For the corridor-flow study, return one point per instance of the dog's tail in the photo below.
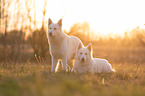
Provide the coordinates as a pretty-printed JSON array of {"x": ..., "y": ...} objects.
[{"x": 113, "y": 70}]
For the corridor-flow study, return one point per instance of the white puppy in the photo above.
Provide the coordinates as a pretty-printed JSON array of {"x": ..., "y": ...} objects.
[
  {"x": 86, "y": 63},
  {"x": 61, "y": 45}
]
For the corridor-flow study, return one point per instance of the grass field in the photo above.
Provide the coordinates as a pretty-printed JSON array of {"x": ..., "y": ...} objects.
[{"x": 35, "y": 79}]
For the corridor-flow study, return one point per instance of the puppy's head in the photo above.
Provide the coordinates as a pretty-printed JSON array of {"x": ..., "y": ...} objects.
[
  {"x": 54, "y": 28},
  {"x": 84, "y": 53}
]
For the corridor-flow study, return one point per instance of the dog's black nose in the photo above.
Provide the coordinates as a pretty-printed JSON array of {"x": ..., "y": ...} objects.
[
  {"x": 50, "y": 34},
  {"x": 83, "y": 59}
]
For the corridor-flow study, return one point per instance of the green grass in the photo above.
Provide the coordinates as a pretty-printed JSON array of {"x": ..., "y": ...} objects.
[{"x": 35, "y": 79}]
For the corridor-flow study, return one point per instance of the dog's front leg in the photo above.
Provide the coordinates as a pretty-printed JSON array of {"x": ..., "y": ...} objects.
[
  {"x": 54, "y": 62},
  {"x": 64, "y": 61}
]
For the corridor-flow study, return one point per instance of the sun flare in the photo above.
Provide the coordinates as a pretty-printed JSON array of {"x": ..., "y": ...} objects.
[{"x": 104, "y": 16}]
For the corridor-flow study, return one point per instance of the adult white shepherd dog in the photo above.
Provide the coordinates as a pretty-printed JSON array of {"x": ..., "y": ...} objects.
[{"x": 61, "y": 45}]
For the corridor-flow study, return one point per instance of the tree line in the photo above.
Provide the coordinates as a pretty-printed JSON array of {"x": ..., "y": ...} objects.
[{"x": 17, "y": 45}]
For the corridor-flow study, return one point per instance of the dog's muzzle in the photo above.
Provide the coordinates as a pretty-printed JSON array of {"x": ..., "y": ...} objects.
[
  {"x": 83, "y": 60},
  {"x": 50, "y": 34}
]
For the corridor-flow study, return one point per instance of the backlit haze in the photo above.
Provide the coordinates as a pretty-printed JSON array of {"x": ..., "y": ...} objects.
[{"x": 104, "y": 16}]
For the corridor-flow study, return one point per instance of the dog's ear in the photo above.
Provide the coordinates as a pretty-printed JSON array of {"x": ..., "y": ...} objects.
[
  {"x": 49, "y": 21},
  {"x": 80, "y": 46},
  {"x": 89, "y": 46},
  {"x": 60, "y": 22}
]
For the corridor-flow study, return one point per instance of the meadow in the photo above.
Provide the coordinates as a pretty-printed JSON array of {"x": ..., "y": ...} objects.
[
  {"x": 25, "y": 61},
  {"x": 35, "y": 78}
]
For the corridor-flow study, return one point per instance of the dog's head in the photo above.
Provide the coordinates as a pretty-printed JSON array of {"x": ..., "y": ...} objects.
[
  {"x": 54, "y": 28},
  {"x": 84, "y": 53}
]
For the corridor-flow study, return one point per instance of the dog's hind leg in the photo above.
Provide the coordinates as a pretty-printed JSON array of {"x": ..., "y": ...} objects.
[
  {"x": 64, "y": 61},
  {"x": 70, "y": 63}
]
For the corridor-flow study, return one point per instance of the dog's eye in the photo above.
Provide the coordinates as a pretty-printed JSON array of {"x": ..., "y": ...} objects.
[
  {"x": 54, "y": 28},
  {"x": 85, "y": 53},
  {"x": 49, "y": 28},
  {"x": 81, "y": 53}
]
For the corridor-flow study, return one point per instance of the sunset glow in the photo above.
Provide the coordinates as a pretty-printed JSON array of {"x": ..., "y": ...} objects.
[{"x": 104, "y": 16}]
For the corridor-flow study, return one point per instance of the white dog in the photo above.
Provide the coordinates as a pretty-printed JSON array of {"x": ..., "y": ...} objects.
[
  {"x": 61, "y": 45},
  {"x": 86, "y": 63}
]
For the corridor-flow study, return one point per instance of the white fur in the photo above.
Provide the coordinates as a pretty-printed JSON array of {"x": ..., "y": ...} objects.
[
  {"x": 61, "y": 45},
  {"x": 90, "y": 64}
]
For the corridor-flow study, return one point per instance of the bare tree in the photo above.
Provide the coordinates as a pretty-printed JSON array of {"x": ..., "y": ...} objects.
[
  {"x": 44, "y": 12},
  {"x": 21, "y": 16},
  {"x": 34, "y": 14},
  {"x": 4, "y": 20},
  {"x": 28, "y": 4}
]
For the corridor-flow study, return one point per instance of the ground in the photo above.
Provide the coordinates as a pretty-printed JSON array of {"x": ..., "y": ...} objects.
[{"x": 36, "y": 79}]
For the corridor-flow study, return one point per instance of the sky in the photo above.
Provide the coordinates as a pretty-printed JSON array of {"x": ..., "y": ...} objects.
[{"x": 104, "y": 16}]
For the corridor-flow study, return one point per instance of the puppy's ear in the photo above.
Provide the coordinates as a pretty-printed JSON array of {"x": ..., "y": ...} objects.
[
  {"x": 60, "y": 22},
  {"x": 49, "y": 21},
  {"x": 80, "y": 46},
  {"x": 89, "y": 46}
]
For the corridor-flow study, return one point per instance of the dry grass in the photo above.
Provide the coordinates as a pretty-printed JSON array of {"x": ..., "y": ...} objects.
[{"x": 35, "y": 79}]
